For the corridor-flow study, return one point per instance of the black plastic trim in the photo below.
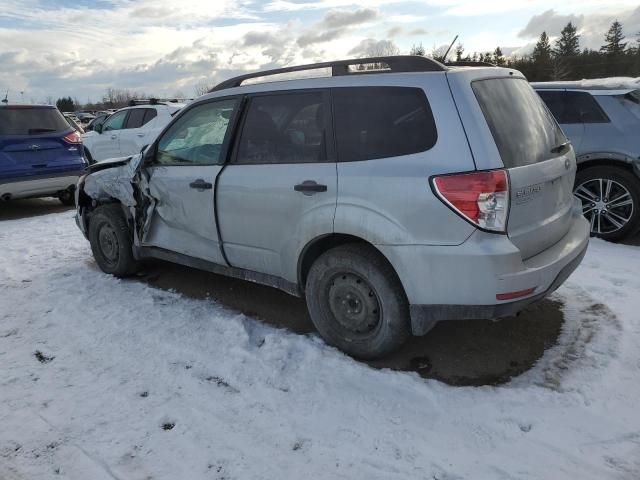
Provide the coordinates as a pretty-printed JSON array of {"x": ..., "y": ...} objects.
[{"x": 291, "y": 288}]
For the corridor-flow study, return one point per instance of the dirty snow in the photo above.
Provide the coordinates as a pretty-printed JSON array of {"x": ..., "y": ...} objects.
[{"x": 103, "y": 378}]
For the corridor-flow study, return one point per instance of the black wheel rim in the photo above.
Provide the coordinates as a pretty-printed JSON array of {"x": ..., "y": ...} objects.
[
  {"x": 607, "y": 204},
  {"x": 354, "y": 305},
  {"x": 108, "y": 242}
]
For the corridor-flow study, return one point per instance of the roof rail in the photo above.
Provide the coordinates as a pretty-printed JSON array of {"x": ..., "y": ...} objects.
[
  {"x": 157, "y": 101},
  {"x": 468, "y": 63},
  {"x": 394, "y": 64}
]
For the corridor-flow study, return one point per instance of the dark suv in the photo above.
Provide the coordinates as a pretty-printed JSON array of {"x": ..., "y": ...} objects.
[
  {"x": 40, "y": 153},
  {"x": 603, "y": 124}
]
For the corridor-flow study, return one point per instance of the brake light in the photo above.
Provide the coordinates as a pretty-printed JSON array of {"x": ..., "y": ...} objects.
[
  {"x": 72, "y": 137},
  {"x": 480, "y": 197}
]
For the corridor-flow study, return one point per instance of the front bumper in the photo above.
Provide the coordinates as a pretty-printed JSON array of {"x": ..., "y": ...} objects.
[{"x": 461, "y": 282}]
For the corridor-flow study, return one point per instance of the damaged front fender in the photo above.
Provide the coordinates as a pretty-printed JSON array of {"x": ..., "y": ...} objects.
[{"x": 116, "y": 180}]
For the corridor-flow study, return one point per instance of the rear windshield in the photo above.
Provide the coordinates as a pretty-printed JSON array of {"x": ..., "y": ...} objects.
[
  {"x": 524, "y": 130},
  {"x": 31, "y": 121},
  {"x": 631, "y": 100}
]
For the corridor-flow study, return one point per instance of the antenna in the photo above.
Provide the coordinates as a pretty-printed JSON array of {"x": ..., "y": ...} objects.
[
  {"x": 444, "y": 58},
  {"x": 6, "y": 97}
]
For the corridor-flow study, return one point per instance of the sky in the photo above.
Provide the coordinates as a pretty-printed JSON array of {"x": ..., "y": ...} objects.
[{"x": 80, "y": 48}]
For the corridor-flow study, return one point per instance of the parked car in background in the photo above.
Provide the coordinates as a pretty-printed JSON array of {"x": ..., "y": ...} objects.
[
  {"x": 128, "y": 130},
  {"x": 99, "y": 119},
  {"x": 73, "y": 121},
  {"x": 40, "y": 153},
  {"x": 602, "y": 120},
  {"x": 390, "y": 201}
]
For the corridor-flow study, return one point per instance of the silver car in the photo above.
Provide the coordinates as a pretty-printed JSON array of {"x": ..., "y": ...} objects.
[
  {"x": 603, "y": 123},
  {"x": 392, "y": 194}
]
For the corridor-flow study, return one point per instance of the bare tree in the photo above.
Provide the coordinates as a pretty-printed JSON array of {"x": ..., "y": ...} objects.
[{"x": 202, "y": 87}]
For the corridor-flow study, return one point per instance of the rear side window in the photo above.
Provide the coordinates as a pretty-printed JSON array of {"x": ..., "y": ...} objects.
[
  {"x": 150, "y": 114},
  {"x": 380, "y": 122},
  {"x": 573, "y": 107},
  {"x": 524, "y": 130},
  {"x": 31, "y": 121},
  {"x": 139, "y": 116},
  {"x": 284, "y": 128}
]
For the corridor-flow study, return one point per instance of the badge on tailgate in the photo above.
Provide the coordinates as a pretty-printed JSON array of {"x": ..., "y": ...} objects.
[{"x": 528, "y": 193}]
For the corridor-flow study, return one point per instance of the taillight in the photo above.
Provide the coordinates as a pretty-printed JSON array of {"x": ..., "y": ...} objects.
[
  {"x": 72, "y": 137},
  {"x": 480, "y": 197}
]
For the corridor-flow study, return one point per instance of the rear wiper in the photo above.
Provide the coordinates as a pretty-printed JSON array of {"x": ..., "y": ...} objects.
[
  {"x": 561, "y": 147},
  {"x": 40, "y": 130}
]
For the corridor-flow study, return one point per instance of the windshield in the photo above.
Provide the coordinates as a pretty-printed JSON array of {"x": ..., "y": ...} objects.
[
  {"x": 524, "y": 130},
  {"x": 31, "y": 121}
]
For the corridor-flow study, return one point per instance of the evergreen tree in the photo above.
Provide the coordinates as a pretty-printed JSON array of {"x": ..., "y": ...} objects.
[
  {"x": 498, "y": 57},
  {"x": 541, "y": 58},
  {"x": 459, "y": 52},
  {"x": 417, "y": 50},
  {"x": 542, "y": 50},
  {"x": 614, "y": 40},
  {"x": 65, "y": 104},
  {"x": 568, "y": 45}
]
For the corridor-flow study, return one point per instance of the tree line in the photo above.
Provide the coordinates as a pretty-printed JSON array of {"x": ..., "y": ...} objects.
[{"x": 563, "y": 60}]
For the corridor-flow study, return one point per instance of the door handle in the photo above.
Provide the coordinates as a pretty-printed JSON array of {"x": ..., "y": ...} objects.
[
  {"x": 113, "y": 137},
  {"x": 309, "y": 187},
  {"x": 140, "y": 134},
  {"x": 201, "y": 185}
]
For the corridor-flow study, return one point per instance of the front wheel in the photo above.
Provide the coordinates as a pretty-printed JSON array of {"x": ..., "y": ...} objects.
[
  {"x": 67, "y": 197},
  {"x": 110, "y": 240},
  {"x": 356, "y": 301},
  {"x": 610, "y": 201}
]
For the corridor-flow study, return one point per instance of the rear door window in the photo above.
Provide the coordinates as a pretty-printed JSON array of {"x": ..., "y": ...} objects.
[
  {"x": 381, "y": 122},
  {"x": 523, "y": 129},
  {"x": 573, "y": 107},
  {"x": 150, "y": 114},
  {"x": 284, "y": 128},
  {"x": 31, "y": 121},
  {"x": 136, "y": 118}
]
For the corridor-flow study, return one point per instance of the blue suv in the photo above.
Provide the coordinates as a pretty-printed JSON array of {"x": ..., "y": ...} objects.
[
  {"x": 602, "y": 121},
  {"x": 40, "y": 154}
]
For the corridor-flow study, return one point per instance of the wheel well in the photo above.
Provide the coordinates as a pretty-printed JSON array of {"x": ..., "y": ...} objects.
[
  {"x": 318, "y": 246},
  {"x": 604, "y": 162}
]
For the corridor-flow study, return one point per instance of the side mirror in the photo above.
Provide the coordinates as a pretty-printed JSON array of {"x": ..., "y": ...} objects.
[{"x": 97, "y": 128}]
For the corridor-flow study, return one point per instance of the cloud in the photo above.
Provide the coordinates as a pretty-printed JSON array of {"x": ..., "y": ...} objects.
[
  {"x": 335, "y": 24},
  {"x": 394, "y": 31},
  {"x": 370, "y": 47},
  {"x": 591, "y": 28},
  {"x": 550, "y": 22}
]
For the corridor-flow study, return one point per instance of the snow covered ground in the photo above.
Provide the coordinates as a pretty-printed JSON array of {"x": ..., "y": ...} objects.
[{"x": 102, "y": 378}]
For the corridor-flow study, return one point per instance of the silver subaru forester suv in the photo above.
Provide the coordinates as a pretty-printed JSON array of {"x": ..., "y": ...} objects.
[{"x": 392, "y": 193}]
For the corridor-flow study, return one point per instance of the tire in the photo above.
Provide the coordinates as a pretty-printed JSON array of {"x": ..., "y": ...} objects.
[
  {"x": 357, "y": 303},
  {"x": 110, "y": 241},
  {"x": 67, "y": 197},
  {"x": 618, "y": 216}
]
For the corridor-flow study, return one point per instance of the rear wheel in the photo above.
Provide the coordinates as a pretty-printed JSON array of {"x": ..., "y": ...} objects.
[
  {"x": 610, "y": 201},
  {"x": 356, "y": 301},
  {"x": 110, "y": 240}
]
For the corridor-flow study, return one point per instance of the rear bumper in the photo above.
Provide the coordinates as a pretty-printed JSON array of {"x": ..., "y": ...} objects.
[
  {"x": 38, "y": 185},
  {"x": 461, "y": 282}
]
